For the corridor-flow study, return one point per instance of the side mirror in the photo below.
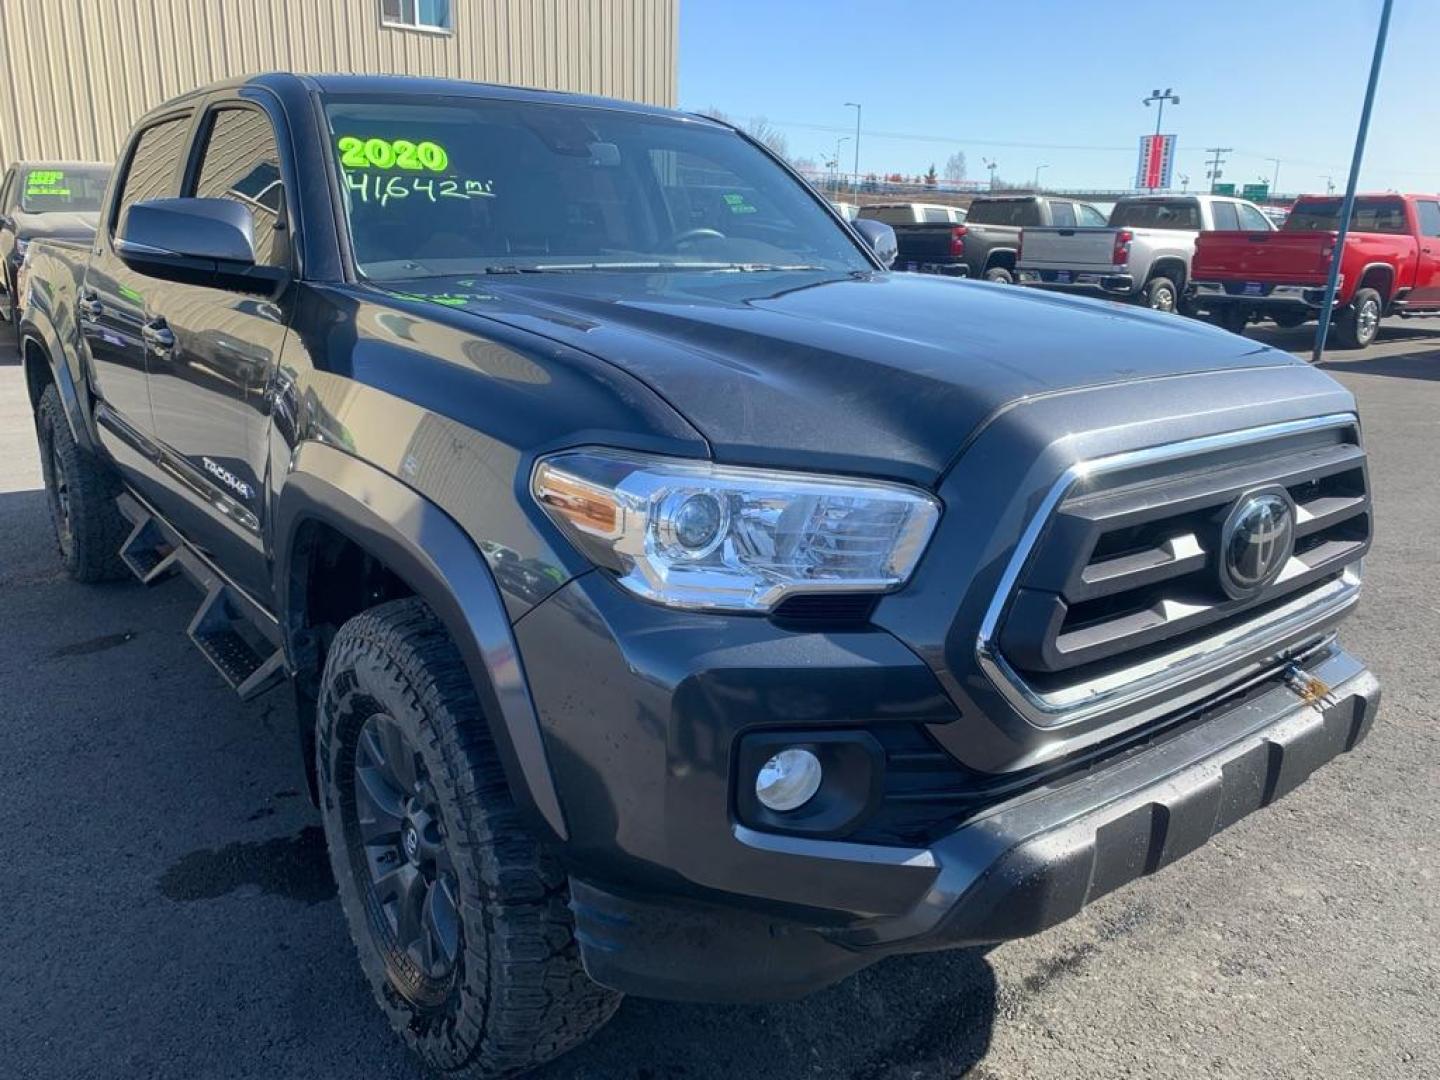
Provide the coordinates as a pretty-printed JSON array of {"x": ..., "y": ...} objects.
[
  {"x": 197, "y": 242},
  {"x": 880, "y": 237}
]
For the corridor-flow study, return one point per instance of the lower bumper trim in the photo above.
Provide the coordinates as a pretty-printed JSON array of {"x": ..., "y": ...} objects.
[{"x": 1015, "y": 870}]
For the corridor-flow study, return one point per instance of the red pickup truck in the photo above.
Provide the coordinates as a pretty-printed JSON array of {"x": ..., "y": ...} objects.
[{"x": 1391, "y": 263}]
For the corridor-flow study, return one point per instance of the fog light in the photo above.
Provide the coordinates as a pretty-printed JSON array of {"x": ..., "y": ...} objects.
[{"x": 788, "y": 780}]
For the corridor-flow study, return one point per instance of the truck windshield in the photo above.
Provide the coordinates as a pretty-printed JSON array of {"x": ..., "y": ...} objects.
[
  {"x": 1157, "y": 214},
  {"x": 66, "y": 188},
  {"x": 1371, "y": 215},
  {"x": 487, "y": 186}
]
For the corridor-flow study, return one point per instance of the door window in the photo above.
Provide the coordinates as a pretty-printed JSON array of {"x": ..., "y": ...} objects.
[
  {"x": 1089, "y": 216},
  {"x": 1252, "y": 220},
  {"x": 1062, "y": 215},
  {"x": 240, "y": 161},
  {"x": 1226, "y": 219},
  {"x": 151, "y": 172},
  {"x": 1429, "y": 216}
]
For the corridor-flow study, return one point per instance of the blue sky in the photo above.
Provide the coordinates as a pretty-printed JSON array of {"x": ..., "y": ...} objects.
[{"x": 1060, "y": 84}]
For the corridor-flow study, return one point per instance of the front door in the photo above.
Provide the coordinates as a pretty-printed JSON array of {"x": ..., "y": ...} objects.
[
  {"x": 212, "y": 354},
  {"x": 112, "y": 300},
  {"x": 1427, "y": 266}
]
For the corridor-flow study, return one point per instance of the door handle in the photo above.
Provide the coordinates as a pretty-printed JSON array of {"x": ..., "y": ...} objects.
[
  {"x": 89, "y": 304},
  {"x": 158, "y": 336}
]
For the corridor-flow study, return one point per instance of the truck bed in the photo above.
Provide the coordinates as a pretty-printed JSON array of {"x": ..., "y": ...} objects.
[
  {"x": 929, "y": 247},
  {"x": 1069, "y": 247},
  {"x": 1301, "y": 258}
]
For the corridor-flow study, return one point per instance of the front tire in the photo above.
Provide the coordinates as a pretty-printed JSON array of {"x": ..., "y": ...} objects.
[
  {"x": 80, "y": 491},
  {"x": 459, "y": 915},
  {"x": 1359, "y": 324}
]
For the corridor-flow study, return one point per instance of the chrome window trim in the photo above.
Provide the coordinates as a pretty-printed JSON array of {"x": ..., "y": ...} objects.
[{"x": 1153, "y": 677}]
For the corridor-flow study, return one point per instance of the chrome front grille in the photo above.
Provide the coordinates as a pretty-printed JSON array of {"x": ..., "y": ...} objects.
[{"x": 1117, "y": 591}]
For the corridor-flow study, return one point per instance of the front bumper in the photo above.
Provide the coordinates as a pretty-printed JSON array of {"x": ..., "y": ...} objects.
[
  {"x": 1014, "y": 869},
  {"x": 1087, "y": 282}
]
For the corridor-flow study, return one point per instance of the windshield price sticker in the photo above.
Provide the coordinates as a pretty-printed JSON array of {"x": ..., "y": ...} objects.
[
  {"x": 738, "y": 205},
  {"x": 382, "y": 189},
  {"x": 46, "y": 182},
  {"x": 357, "y": 153}
]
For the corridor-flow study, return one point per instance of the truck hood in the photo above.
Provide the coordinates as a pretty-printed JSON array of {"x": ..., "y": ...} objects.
[
  {"x": 884, "y": 373},
  {"x": 55, "y": 224}
]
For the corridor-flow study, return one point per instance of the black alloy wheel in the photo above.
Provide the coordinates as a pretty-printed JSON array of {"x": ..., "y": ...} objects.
[
  {"x": 413, "y": 889},
  {"x": 57, "y": 485}
]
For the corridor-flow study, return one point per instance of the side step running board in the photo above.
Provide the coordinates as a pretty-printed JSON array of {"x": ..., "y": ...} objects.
[
  {"x": 217, "y": 630},
  {"x": 234, "y": 633}
]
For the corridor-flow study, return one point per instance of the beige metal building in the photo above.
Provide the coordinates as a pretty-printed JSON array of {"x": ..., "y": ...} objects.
[{"x": 74, "y": 74}]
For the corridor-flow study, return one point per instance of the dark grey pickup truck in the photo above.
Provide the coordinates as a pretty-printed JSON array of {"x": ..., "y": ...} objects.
[
  {"x": 675, "y": 601},
  {"x": 991, "y": 240}
]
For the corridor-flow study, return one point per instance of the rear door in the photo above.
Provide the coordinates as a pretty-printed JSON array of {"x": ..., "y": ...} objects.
[
  {"x": 113, "y": 297},
  {"x": 209, "y": 378},
  {"x": 1427, "y": 268}
]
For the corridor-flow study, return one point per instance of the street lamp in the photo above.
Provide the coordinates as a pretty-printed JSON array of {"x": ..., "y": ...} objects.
[
  {"x": 1275, "y": 183},
  {"x": 1037, "y": 175},
  {"x": 856, "y": 106},
  {"x": 838, "y": 142},
  {"x": 992, "y": 165},
  {"x": 1162, "y": 98}
]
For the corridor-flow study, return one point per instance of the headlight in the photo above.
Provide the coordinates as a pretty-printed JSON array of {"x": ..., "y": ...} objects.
[{"x": 696, "y": 535}]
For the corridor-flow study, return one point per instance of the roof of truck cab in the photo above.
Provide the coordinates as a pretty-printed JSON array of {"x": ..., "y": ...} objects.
[
  {"x": 427, "y": 88},
  {"x": 424, "y": 87}
]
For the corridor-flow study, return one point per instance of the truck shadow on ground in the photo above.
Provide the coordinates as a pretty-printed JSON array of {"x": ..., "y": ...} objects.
[{"x": 1411, "y": 365}]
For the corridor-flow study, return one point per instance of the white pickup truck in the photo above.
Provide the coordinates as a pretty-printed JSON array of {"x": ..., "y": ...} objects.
[{"x": 1143, "y": 253}]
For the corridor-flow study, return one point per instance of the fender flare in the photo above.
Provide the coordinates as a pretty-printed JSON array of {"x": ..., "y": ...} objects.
[
  {"x": 1389, "y": 271},
  {"x": 427, "y": 550},
  {"x": 995, "y": 255},
  {"x": 1165, "y": 262},
  {"x": 33, "y": 337}
]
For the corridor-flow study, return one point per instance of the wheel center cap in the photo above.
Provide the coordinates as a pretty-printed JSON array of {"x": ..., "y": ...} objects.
[{"x": 411, "y": 842}]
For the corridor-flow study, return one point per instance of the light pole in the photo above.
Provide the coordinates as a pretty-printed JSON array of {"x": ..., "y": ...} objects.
[
  {"x": 1347, "y": 208},
  {"x": 856, "y": 106},
  {"x": 838, "y": 142},
  {"x": 992, "y": 165},
  {"x": 1157, "y": 96},
  {"x": 1275, "y": 181},
  {"x": 1037, "y": 175}
]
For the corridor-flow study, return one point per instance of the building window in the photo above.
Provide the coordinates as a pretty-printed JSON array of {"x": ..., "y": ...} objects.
[{"x": 417, "y": 14}]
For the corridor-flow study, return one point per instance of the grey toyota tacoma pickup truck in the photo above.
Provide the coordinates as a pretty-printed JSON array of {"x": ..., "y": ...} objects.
[{"x": 676, "y": 602}]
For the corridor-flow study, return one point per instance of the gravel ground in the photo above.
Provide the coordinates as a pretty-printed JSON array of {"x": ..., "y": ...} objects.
[{"x": 169, "y": 913}]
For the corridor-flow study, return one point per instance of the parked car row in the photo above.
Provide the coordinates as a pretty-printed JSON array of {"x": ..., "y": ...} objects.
[
  {"x": 1213, "y": 255},
  {"x": 1143, "y": 253},
  {"x": 1390, "y": 264}
]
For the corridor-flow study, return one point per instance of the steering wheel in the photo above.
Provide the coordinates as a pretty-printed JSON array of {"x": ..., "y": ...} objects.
[{"x": 695, "y": 234}]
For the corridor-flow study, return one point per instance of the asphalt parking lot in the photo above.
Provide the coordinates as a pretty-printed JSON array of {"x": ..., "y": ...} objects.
[{"x": 169, "y": 913}]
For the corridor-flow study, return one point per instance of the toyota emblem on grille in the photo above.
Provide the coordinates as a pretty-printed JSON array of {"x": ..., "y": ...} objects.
[{"x": 1256, "y": 542}]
